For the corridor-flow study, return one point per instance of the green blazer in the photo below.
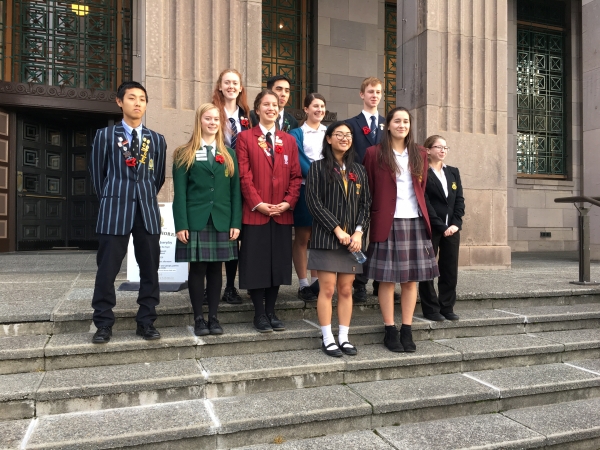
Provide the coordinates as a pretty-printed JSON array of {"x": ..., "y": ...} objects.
[{"x": 204, "y": 191}]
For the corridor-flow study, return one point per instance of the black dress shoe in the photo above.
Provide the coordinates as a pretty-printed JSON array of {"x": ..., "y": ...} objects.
[
  {"x": 200, "y": 327},
  {"x": 348, "y": 348},
  {"x": 336, "y": 352},
  {"x": 102, "y": 335},
  {"x": 436, "y": 317},
  {"x": 148, "y": 332},
  {"x": 307, "y": 294},
  {"x": 406, "y": 339},
  {"x": 392, "y": 340},
  {"x": 376, "y": 292},
  {"x": 315, "y": 288},
  {"x": 276, "y": 324},
  {"x": 450, "y": 315},
  {"x": 262, "y": 324},
  {"x": 231, "y": 296},
  {"x": 360, "y": 294},
  {"x": 213, "y": 326}
]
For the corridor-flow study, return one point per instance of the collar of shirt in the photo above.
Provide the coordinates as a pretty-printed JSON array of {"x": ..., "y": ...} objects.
[
  {"x": 128, "y": 129},
  {"x": 404, "y": 154},
  {"x": 265, "y": 131},
  {"x": 212, "y": 144},
  {"x": 235, "y": 116},
  {"x": 307, "y": 129},
  {"x": 280, "y": 118},
  {"x": 441, "y": 171},
  {"x": 368, "y": 117}
]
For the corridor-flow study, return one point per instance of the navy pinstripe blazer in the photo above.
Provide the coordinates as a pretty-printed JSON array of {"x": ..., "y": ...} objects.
[{"x": 121, "y": 188}]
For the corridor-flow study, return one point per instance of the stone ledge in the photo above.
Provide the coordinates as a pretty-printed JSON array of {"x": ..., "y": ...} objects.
[
  {"x": 573, "y": 339},
  {"x": 21, "y": 347},
  {"x": 365, "y": 440},
  {"x": 537, "y": 314}
]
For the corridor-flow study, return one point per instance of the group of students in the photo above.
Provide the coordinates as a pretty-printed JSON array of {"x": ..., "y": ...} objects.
[{"x": 245, "y": 177}]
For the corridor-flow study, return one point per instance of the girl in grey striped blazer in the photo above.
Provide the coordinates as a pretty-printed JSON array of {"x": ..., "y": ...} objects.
[{"x": 337, "y": 195}]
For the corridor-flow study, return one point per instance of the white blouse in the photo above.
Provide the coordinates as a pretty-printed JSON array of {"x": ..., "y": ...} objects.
[
  {"x": 406, "y": 199},
  {"x": 312, "y": 142}
]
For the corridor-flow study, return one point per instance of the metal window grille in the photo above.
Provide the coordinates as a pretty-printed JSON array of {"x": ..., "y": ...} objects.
[
  {"x": 390, "y": 56},
  {"x": 286, "y": 43},
  {"x": 79, "y": 44},
  {"x": 541, "y": 89}
]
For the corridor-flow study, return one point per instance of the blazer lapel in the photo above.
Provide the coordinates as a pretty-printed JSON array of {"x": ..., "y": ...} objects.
[
  {"x": 449, "y": 181},
  {"x": 362, "y": 122},
  {"x": 241, "y": 117},
  {"x": 122, "y": 143}
]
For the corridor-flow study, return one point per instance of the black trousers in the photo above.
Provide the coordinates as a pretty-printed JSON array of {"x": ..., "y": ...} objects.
[
  {"x": 112, "y": 249},
  {"x": 445, "y": 300}
]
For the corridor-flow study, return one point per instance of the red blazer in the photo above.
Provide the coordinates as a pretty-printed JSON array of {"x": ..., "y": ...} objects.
[
  {"x": 262, "y": 180},
  {"x": 382, "y": 184}
]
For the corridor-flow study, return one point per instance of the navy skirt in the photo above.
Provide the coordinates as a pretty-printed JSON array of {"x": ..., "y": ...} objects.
[{"x": 302, "y": 216}]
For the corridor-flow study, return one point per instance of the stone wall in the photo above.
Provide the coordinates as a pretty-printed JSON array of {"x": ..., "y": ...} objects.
[
  {"x": 349, "y": 36},
  {"x": 591, "y": 113},
  {"x": 186, "y": 44},
  {"x": 454, "y": 81}
]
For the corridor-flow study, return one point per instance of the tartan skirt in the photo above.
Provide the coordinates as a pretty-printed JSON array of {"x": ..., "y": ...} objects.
[
  {"x": 406, "y": 255},
  {"x": 207, "y": 245}
]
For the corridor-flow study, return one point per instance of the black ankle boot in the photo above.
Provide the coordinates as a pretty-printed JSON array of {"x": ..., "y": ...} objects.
[
  {"x": 391, "y": 340},
  {"x": 406, "y": 338}
]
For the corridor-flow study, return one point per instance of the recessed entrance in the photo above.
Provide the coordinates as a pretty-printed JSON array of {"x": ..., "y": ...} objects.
[{"x": 56, "y": 203}]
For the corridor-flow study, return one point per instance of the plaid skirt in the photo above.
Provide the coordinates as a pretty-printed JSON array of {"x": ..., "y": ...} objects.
[
  {"x": 207, "y": 245},
  {"x": 406, "y": 255}
]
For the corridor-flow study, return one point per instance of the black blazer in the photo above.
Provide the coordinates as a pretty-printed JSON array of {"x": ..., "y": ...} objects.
[
  {"x": 361, "y": 140},
  {"x": 331, "y": 207},
  {"x": 438, "y": 206},
  {"x": 289, "y": 123},
  {"x": 122, "y": 189}
]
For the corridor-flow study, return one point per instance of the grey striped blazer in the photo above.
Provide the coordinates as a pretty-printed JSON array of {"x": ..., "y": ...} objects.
[
  {"x": 121, "y": 188},
  {"x": 331, "y": 207}
]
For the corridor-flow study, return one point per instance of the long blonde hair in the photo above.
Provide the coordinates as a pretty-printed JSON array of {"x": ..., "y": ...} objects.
[{"x": 185, "y": 155}]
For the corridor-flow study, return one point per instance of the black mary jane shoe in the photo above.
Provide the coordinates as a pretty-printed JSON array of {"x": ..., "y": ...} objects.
[
  {"x": 336, "y": 352},
  {"x": 348, "y": 348}
]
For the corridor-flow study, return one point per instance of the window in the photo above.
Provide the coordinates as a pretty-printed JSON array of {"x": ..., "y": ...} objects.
[
  {"x": 541, "y": 89},
  {"x": 78, "y": 44},
  {"x": 390, "y": 56},
  {"x": 286, "y": 42}
]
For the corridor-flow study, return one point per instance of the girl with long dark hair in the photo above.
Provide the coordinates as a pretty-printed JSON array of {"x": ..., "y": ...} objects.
[
  {"x": 400, "y": 249},
  {"x": 337, "y": 195}
]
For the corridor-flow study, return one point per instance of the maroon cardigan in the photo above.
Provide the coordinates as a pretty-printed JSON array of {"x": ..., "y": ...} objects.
[{"x": 382, "y": 184}]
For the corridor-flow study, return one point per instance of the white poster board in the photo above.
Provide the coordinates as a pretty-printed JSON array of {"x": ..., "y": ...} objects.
[{"x": 169, "y": 271}]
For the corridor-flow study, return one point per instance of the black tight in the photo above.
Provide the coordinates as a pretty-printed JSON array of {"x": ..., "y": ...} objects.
[
  {"x": 231, "y": 267},
  {"x": 270, "y": 296},
  {"x": 213, "y": 273}
]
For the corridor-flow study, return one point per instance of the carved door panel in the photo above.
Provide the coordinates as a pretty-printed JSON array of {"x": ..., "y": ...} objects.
[{"x": 4, "y": 181}]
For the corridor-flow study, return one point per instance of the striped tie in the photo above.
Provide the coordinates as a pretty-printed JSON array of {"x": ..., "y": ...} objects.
[{"x": 234, "y": 132}]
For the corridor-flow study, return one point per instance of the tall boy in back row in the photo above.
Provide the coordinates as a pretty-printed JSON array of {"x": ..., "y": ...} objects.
[
  {"x": 128, "y": 169},
  {"x": 367, "y": 128}
]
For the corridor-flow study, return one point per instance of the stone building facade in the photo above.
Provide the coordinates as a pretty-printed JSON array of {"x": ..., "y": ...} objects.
[{"x": 454, "y": 63}]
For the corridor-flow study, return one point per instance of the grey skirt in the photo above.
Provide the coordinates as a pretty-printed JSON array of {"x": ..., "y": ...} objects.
[{"x": 337, "y": 261}]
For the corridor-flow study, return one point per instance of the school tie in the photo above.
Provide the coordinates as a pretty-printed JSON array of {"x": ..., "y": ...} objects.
[
  {"x": 277, "y": 126},
  {"x": 373, "y": 127},
  {"x": 270, "y": 144},
  {"x": 209, "y": 154},
  {"x": 234, "y": 132},
  {"x": 135, "y": 144}
]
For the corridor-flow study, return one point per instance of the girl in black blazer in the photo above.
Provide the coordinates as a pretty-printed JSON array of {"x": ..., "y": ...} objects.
[
  {"x": 337, "y": 195},
  {"x": 446, "y": 207}
]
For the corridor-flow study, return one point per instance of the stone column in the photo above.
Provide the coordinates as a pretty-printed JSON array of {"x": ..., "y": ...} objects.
[
  {"x": 187, "y": 43},
  {"x": 349, "y": 36},
  {"x": 591, "y": 113},
  {"x": 451, "y": 74}
]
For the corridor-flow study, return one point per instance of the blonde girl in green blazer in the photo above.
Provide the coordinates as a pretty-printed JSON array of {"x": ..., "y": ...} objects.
[{"x": 207, "y": 209}]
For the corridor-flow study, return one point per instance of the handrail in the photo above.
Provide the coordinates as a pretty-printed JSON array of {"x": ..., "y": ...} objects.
[{"x": 579, "y": 199}]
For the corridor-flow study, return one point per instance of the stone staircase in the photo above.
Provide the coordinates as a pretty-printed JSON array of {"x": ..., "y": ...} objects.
[{"x": 517, "y": 371}]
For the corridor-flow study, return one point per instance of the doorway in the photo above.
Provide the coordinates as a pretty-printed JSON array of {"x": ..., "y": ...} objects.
[{"x": 56, "y": 203}]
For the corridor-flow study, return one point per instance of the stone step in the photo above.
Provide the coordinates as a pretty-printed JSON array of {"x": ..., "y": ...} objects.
[{"x": 276, "y": 417}]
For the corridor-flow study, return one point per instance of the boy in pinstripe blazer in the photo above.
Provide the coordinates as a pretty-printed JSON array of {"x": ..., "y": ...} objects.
[{"x": 128, "y": 169}]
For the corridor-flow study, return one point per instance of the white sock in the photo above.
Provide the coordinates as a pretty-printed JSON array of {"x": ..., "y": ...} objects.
[
  {"x": 343, "y": 334},
  {"x": 303, "y": 282},
  {"x": 389, "y": 324},
  {"x": 313, "y": 279},
  {"x": 327, "y": 335}
]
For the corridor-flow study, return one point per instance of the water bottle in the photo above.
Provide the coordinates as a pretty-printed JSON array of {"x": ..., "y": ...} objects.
[{"x": 359, "y": 257}]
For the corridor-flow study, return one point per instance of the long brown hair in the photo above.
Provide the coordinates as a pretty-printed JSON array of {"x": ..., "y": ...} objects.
[
  {"x": 185, "y": 155},
  {"x": 386, "y": 156},
  {"x": 218, "y": 100}
]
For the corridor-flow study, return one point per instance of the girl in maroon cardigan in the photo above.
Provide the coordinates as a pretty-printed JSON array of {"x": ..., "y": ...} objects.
[{"x": 400, "y": 249}]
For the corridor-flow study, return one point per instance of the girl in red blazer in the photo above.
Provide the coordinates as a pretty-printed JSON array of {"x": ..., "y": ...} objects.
[
  {"x": 400, "y": 249},
  {"x": 270, "y": 179}
]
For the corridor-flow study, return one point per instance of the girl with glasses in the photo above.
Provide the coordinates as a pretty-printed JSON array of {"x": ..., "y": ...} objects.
[
  {"x": 337, "y": 195},
  {"x": 309, "y": 138},
  {"x": 400, "y": 249},
  {"x": 446, "y": 207}
]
